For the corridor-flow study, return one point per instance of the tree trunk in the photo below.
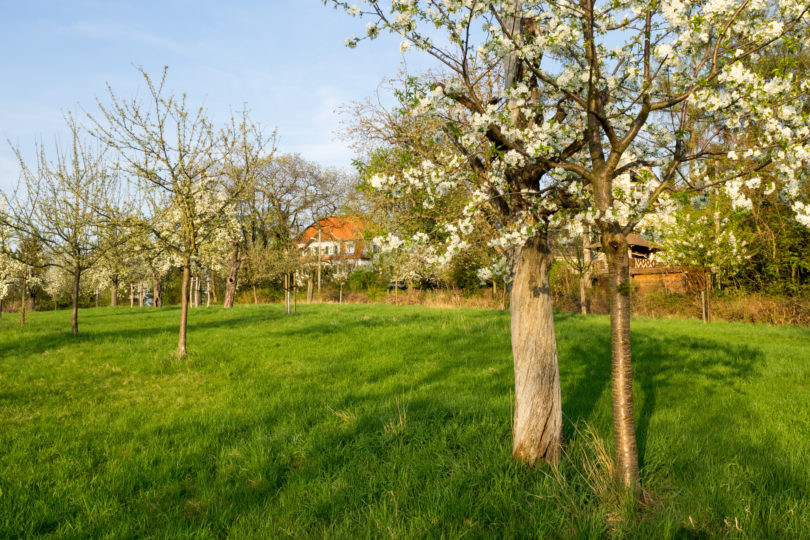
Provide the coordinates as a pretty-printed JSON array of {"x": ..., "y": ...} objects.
[
  {"x": 140, "y": 294},
  {"x": 74, "y": 297},
  {"x": 114, "y": 293},
  {"x": 22, "y": 302},
  {"x": 157, "y": 300},
  {"x": 624, "y": 425},
  {"x": 340, "y": 297},
  {"x": 131, "y": 295},
  {"x": 309, "y": 290},
  {"x": 255, "y": 294},
  {"x": 538, "y": 401},
  {"x": 287, "y": 294},
  {"x": 208, "y": 289},
  {"x": 583, "y": 296},
  {"x": 96, "y": 297},
  {"x": 181, "y": 340},
  {"x": 295, "y": 297},
  {"x": 31, "y": 302},
  {"x": 214, "y": 287},
  {"x": 197, "y": 291},
  {"x": 232, "y": 277}
]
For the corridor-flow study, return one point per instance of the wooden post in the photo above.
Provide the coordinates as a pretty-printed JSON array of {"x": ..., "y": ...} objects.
[{"x": 319, "y": 260}]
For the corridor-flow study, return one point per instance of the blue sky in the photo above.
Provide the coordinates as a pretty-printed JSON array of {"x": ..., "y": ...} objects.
[{"x": 284, "y": 58}]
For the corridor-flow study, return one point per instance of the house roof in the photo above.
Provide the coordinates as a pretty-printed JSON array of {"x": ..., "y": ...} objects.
[
  {"x": 335, "y": 228},
  {"x": 632, "y": 240}
]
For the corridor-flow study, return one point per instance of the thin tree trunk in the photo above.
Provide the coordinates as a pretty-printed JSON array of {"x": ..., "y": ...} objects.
[
  {"x": 287, "y": 293},
  {"x": 340, "y": 297},
  {"x": 208, "y": 289},
  {"x": 295, "y": 297},
  {"x": 131, "y": 295},
  {"x": 232, "y": 277},
  {"x": 157, "y": 300},
  {"x": 309, "y": 290},
  {"x": 255, "y": 294},
  {"x": 140, "y": 294},
  {"x": 319, "y": 260},
  {"x": 396, "y": 292},
  {"x": 96, "y": 297},
  {"x": 181, "y": 340},
  {"x": 624, "y": 425},
  {"x": 197, "y": 291},
  {"x": 1, "y": 306},
  {"x": 74, "y": 317},
  {"x": 31, "y": 301},
  {"x": 583, "y": 296},
  {"x": 214, "y": 287},
  {"x": 538, "y": 401},
  {"x": 22, "y": 302}
]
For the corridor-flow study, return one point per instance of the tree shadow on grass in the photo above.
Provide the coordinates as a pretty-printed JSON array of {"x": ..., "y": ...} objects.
[{"x": 662, "y": 364}]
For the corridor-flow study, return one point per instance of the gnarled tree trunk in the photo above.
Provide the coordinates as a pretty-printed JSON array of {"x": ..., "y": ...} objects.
[
  {"x": 231, "y": 278},
  {"x": 624, "y": 425},
  {"x": 538, "y": 400}
]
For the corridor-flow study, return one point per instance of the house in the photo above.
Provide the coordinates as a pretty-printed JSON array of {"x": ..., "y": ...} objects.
[
  {"x": 337, "y": 239},
  {"x": 648, "y": 272}
]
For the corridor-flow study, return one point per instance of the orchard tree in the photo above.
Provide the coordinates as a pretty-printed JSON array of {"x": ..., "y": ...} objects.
[
  {"x": 595, "y": 123},
  {"x": 56, "y": 205},
  {"x": 175, "y": 156},
  {"x": 251, "y": 151}
]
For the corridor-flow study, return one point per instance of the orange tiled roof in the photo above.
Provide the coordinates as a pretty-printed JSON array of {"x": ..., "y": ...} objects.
[{"x": 335, "y": 228}]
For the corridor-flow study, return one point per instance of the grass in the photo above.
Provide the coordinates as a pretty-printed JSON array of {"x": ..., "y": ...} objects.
[{"x": 365, "y": 421}]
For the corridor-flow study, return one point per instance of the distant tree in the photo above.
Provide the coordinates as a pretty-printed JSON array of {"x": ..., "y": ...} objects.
[{"x": 56, "y": 204}]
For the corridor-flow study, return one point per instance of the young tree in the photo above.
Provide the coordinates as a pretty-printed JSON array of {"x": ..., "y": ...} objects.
[
  {"x": 600, "y": 103},
  {"x": 56, "y": 205},
  {"x": 241, "y": 171},
  {"x": 175, "y": 155}
]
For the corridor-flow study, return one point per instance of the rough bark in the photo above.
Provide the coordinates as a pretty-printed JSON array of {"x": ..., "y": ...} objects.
[
  {"x": 538, "y": 401},
  {"x": 74, "y": 297},
  {"x": 232, "y": 277},
  {"x": 624, "y": 426},
  {"x": 181, "y": 340}
]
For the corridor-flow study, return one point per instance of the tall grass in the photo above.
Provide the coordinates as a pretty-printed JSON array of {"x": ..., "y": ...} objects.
[{"x": 364, "y": 420}]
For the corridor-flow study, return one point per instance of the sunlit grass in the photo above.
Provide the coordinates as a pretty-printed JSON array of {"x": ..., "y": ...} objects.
[{"x": 365, "y": 420}]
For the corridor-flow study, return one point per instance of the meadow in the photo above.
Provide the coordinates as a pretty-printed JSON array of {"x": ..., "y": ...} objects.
[{"x": 357, "y": 421}]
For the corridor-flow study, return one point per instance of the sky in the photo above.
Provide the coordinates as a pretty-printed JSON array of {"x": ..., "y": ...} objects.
[{"x": 284, "y": 59}]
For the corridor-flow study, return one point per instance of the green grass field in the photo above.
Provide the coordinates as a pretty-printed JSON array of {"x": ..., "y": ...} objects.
[{"x": 366, "y": 421}]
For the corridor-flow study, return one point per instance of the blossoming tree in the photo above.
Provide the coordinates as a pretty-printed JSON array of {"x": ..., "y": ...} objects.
[
  {"x": 56, "y": 204},
  {"x": 174, "y": 155},
  {"x": 606, "y": 106}
]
